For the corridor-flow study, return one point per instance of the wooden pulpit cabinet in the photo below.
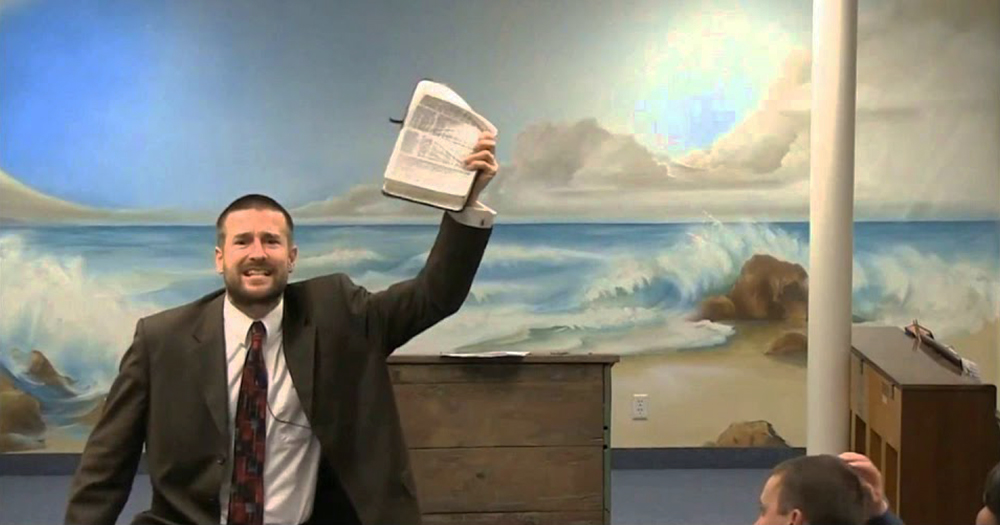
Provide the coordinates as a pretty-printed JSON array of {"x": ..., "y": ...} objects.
[
  {"x": 931, "y": 431},
  {"x": 511, "y": 441}
]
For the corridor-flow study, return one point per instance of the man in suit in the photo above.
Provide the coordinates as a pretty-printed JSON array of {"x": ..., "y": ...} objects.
[
  {"x": 269, "y": 402},
  {"x": 825, "y": 490}
]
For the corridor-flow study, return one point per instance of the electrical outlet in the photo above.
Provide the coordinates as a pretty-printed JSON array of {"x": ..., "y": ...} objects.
[{"x": 640, "y": 406}]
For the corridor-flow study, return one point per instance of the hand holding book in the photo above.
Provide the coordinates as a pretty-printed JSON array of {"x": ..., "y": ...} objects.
[{"x": 483, "y": 161}]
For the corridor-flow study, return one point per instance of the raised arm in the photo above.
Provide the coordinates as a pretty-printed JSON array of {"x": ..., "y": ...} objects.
[
  {"x": 406, "y": 309},
  {"x": 107, "y": 468}
]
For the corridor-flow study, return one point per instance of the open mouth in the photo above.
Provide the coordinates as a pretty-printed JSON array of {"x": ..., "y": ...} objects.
[{"x": 257, "y": 272}]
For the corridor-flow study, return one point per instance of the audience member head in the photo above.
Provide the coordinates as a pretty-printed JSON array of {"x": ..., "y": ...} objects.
[
  {"x": 990, "y": 513},
  {"x": 812, "y": 490}
]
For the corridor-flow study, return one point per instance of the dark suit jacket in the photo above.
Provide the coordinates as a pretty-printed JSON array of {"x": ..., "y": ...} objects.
[
  {"x": 886, "y": 519},
  {"x": 171, "y": 396}
]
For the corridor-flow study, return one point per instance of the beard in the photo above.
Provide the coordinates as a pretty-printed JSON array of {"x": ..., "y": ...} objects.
[{"x": 242, "y": 295}]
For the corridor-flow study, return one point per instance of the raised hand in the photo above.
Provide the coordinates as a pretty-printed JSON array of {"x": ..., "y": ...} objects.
[
  {"x": 871, "y": 481},
  {"x": 483, "y": 160}
]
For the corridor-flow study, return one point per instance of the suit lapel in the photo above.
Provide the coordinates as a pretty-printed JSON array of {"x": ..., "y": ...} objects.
[
  {"x": 300, "y": 348},
  {"x": 209, "y": 352}
]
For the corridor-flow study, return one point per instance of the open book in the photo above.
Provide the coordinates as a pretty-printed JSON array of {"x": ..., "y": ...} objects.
[{"x": 439, "y": 131}]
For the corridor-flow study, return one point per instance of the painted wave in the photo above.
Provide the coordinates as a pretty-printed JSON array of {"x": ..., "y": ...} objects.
[{"x": 574, "y": 288}]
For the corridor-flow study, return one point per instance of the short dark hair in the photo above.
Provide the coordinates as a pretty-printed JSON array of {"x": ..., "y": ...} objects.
[
  {"x": 823, "y": 487},
  {"x": 991, "y": 493},
  {"x": 252, "y": 201}
]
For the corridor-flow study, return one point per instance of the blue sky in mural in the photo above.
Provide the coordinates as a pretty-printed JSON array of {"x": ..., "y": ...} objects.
[{"x": 185, "y": 104}]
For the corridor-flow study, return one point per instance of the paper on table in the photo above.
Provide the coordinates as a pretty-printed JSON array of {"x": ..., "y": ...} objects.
[{"x": 485, "y": 354}]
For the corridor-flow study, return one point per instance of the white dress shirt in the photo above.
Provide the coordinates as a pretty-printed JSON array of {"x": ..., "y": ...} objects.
[{"x": 292, "y": 452}]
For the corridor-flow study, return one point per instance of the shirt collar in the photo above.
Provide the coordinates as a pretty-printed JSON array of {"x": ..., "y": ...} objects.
[{"x": 237, "y": 323}]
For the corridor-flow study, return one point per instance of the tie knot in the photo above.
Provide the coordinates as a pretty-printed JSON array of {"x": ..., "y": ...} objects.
[{"x": 257, "y": 333}]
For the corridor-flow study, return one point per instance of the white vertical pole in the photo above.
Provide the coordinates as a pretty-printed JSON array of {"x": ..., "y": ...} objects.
[{"x": 831, "y": 223}]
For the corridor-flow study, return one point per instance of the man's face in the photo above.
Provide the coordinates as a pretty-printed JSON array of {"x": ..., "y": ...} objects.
[
  {"x": 769, "y": 511},
  {"x": 985, "y": 517},
  {"x": 256, "y": 256}
]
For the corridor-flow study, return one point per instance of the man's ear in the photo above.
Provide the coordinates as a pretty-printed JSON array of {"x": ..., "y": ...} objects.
[
  {"x": 796, "y": 517},
  {"x": 293, "y": 254},
  {"x": 218, "y": 259}
]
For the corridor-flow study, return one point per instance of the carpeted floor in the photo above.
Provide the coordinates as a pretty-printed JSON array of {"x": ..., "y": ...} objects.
[{"x": 638, "y": 497}]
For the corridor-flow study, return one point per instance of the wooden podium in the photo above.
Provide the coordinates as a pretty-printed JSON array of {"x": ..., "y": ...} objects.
[
  {"x": 931, "y": 431},
  {"x": 511, "y": 441}
]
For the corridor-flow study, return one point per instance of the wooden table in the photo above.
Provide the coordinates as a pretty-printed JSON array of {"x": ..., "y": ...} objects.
[
  {"x": 508, "y": 440},
  {"x": 931, "y": 430}
]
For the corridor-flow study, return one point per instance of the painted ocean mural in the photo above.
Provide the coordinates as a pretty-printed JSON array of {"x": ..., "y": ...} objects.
[
  {"x": 72, "y": 295},
  {"x": 653, "y": 196}
]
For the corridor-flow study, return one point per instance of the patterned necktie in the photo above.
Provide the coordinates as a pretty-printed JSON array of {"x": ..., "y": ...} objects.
[{"x": 246, "y": 493}]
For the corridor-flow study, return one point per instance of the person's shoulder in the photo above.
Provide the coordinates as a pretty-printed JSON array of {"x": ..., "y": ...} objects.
[
  {"x": 886, "y": 519},
  {"x": 185, "y": 315},
  {"x": 322, "y": 284},
  {"x": 332, "y": 292}
]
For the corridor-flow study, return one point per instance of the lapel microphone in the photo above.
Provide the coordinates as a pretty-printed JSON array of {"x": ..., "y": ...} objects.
[
  {"x": 276, "y": 418},
  {"x": 267, "y": 402}
]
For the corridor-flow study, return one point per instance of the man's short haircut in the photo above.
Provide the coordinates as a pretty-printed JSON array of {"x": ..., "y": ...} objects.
[
  {"x": 823, "y": 487},
  {"x": 251, "y": 201},
  {"x": 991, "y": 494}
]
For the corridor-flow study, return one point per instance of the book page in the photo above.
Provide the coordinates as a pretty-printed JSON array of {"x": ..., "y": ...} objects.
[
  {"x": 439, "y": 131},
  {"x": 436, "y": 138}
]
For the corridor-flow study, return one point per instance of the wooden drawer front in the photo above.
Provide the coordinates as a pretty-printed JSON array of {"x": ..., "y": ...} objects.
[
  {"x": 884, "y": 407},
  {"x": 536, "y": 412},
  {"x": 517, "y": 518},
  {"x": 529, "y": 479}
]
